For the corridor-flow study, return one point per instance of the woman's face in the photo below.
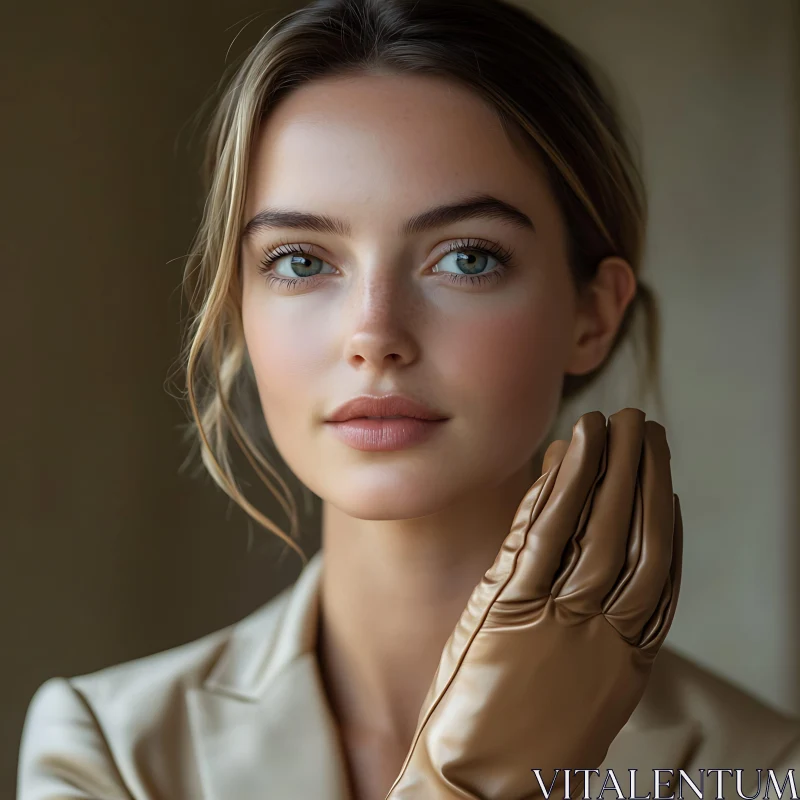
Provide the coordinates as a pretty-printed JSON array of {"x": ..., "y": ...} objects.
[{"x": 376, "y": 309}]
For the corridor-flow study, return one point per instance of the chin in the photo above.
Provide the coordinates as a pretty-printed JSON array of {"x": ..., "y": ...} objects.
[{"x": 393, "y": 498}]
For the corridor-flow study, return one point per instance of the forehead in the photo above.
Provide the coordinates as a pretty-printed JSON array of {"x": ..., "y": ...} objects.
[{"x": 399, "y": 139}]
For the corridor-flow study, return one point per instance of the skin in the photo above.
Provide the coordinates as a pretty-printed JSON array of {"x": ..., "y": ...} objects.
[{"x": 407, "y": 534}]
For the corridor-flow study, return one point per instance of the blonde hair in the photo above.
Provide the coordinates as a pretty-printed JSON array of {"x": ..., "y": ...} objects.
[{"x": 543, "y": 93}]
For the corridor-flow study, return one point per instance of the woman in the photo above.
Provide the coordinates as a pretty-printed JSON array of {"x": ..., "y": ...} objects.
[{"x": 429, "y": 206}]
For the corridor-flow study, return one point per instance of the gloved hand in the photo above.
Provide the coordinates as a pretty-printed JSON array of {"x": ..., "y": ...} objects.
[{"x": 555, "y": 647}]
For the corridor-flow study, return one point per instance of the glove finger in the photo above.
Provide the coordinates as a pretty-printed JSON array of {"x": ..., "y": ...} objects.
[
  {"x": 543, "y": 548},
  {"x": 527, "y": 512},
  {"x": 554, "y": 454},
  {"x": 485, "y": 593},
  {"x": 658, "y": 627},
  {"x": 635, "y": 597},
  {"x": 596, "y": 555}
]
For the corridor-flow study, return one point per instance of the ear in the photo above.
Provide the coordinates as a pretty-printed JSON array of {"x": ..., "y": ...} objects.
[{"x": 601, "y": 307}]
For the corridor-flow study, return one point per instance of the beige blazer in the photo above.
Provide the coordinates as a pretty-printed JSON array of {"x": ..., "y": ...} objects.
[{"x": 241, "y": 715}]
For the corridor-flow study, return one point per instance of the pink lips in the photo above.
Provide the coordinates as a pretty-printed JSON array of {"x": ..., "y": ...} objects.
[
  {"x": 384, "y": 434},
  {"x": 388, "y": 405},
  {"x": 384, "y": 422}
]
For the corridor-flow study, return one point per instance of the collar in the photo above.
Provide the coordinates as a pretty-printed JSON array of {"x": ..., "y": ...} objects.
[
  {"x": 271, "y": 639},
  {"x": 261, "y": 723}
]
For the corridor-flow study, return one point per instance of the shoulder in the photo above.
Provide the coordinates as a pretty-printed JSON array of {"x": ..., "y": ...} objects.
[
  {"x": 730, "y": 722},
  {"x": 85, "y": 731}
]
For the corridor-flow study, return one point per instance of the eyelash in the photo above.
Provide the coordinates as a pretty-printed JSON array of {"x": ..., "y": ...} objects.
[{"x": 503, "y": 255}]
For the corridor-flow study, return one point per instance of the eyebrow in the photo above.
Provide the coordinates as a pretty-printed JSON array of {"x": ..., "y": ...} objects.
[{"x": 482, "y": 205}]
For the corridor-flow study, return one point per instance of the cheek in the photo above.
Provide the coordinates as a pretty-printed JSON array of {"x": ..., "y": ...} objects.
[
  {"x": 509, "y": 367},
  {"x": 286, "y": 352}
]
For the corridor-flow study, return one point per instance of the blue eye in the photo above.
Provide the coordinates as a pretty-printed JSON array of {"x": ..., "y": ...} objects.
[
  {"x": 473, "y": 263},
  {"x": 302, "y": 263},
  {"x": 473, "y": 258}
]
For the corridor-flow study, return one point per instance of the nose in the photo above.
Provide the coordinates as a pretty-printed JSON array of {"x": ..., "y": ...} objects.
[{"x": 381, "y": 314}]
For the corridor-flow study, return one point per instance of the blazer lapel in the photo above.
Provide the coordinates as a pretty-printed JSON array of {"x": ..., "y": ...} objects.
[{"x": 261, "y": 722}]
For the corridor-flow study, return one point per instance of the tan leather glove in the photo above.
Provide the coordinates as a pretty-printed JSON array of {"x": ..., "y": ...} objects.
[{"x": 555, "y": 647}]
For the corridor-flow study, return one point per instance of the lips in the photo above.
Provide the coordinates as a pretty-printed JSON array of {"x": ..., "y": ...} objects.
[
  {"x": 395, "y": 406},
  {"x": 398, "y": 433}
]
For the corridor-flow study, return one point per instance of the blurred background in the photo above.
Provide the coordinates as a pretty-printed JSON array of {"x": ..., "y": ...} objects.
[{"x": 110, "y": 551}]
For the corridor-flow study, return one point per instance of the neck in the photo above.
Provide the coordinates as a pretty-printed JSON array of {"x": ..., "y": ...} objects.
[{"x": 391, "y": 593}]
